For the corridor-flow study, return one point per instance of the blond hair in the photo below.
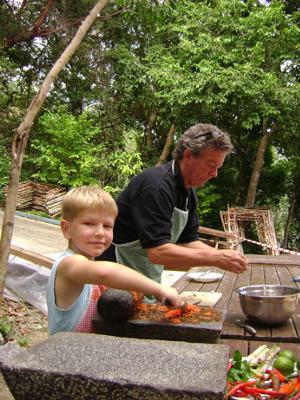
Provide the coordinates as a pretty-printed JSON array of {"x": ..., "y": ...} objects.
[{"x": 87, "y": 197}]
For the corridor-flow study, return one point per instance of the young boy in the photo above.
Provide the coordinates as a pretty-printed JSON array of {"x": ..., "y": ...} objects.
[{"x": 76, "y": 280}]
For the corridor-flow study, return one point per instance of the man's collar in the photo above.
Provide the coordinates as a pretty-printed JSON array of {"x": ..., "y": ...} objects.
[{"x": 178, "y": 175}]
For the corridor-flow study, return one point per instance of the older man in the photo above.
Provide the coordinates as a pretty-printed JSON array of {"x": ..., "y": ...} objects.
[{"x": 157, "y": 225}]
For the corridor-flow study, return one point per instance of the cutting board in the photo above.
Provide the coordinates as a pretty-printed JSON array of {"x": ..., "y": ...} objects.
[{"x": 207, "y": 299}]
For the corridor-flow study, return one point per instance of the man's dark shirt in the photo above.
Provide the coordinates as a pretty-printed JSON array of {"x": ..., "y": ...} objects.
[{"x": 146, "y": 206}]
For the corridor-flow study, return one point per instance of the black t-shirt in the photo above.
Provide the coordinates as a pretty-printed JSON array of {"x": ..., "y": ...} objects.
[{"x": 146, "y": 206}]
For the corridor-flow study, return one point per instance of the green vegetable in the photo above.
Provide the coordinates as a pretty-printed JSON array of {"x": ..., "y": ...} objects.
[
  {"x": 268, "y": 358},
  {"x": 284, "y": 365},
  {"x": 257, "y": 355},
  {"x": 262, "y": 357},
  {"x": 240, "y": 370},
  {"x": 287, "y": 354}
]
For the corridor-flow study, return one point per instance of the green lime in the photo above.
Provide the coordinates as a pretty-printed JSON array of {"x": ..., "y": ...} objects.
[
  {"x": 298, "y": 365},
  {"x": 288, "y": 354},
  {"x": 284, "y": 365}
]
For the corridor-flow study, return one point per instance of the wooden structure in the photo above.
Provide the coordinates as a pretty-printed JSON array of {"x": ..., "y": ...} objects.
[
  {"x": 220, "y": 238},
  {"x": 233, "y": 222},
  {"x": 263, "y": 269},
  {"x": 24, "y": 195},
  {"x": 39, "y": 196},
  {"x": 31, "y": 256},
  {"x": 48, "y": 198}
]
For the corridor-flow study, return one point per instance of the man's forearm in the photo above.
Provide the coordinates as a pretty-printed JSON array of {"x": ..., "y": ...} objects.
[{"x": 184, "y": 256}]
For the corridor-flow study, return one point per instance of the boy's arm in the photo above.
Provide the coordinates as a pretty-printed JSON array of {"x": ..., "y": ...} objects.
[{"x": 77, "y": 270}]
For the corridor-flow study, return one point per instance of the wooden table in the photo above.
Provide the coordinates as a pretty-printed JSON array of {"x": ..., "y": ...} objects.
[{"x": 262, "y": 270}]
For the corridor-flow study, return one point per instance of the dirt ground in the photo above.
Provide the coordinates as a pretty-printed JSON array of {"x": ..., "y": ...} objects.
[
  {"x": 29, "y": 325},
  {"x": 38, "y": 236}
]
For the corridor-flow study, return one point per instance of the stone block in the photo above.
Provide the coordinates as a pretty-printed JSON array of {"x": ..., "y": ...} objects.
[
  {"x": 203, "y": 332},
  {"x": 79, "y": 366}
]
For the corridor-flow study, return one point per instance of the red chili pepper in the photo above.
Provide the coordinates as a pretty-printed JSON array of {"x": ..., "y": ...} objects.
[
  {"x": 173, "y": 313},
  {"x": 289, "y": 387},
  {"x": 229, "y": 365},
  {"x": 255, "y": 390},
  {"x": 239, "y": 386},
  {"x": 297, "y": 396},
  {"x": 279, "y": 375},
  {"x": 240, "y": 393},
  {"x": 275, "y": 381}
]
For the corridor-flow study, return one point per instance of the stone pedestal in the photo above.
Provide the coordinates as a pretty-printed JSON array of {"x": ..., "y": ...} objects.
[{"x": 91, "y": 366}]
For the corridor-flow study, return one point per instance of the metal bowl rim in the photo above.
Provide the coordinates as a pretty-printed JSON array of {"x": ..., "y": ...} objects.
[{"x": 293, "y": 289}]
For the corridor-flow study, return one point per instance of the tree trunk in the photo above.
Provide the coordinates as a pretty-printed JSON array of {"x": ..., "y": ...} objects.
[
  {"x": 289, "y": 218},
  {"x": 150, "y": 126},
  {"x": 23, "y": 34},
  {"x": 22, "y": 134},
  {"x": 168, "y": 145},
  {"x": 259, "y": 162}
]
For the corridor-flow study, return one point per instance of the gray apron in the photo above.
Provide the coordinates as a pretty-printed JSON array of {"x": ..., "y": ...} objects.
[{"x": 134, "y": 256}]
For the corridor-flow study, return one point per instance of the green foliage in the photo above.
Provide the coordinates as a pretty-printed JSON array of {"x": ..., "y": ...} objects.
[
  {"x": 66, "y": 152},
  {"x": 207, "y": 199},
  {"x": 10, "y": 112},
  {"x": 5, "y": 326},
  {"x": 69, "y": 151},
  {"x": 123, "y": 163},
  {"x": 240, "y": 370},
  {"x": 229, "y": 62},
  {"x": 279, "y": 214},
  {"x": 123, "y": 166},
  {"x": 4, "y": 165},
  {"x": 6, "y": 329},
  {"x": 22, "y": 341}
]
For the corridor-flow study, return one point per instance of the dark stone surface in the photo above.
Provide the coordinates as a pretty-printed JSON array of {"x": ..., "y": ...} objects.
[
  {"x": 203, "y": 332},
  {"x": 88, "y": 366}
]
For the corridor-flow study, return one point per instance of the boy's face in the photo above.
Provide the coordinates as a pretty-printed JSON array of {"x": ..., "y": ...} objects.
[{"x": 90, "y": 233}]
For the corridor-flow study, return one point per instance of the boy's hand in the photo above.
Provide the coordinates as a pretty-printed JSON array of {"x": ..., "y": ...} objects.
[{"x": 170, "y": 297}]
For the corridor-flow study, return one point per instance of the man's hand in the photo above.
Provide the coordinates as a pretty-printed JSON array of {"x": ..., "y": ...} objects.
[{"x": 232, "y": 260}]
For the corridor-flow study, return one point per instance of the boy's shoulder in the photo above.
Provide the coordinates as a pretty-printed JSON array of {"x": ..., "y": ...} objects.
[{"x": 62, "y": 256}]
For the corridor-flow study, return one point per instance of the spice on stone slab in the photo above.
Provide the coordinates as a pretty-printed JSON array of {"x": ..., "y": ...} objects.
[{"x": 193, "y": 314}]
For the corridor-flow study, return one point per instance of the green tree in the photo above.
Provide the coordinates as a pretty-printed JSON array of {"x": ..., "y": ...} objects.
[{"x": 66, "y": 152}]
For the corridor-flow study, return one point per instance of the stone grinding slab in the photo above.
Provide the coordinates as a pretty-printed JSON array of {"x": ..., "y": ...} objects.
[
  {"x": 90, "y": 366},
  {"x": 202, "y": 332}
]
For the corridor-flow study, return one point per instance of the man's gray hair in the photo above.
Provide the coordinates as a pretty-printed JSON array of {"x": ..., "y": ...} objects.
[{"x": 201, "y": 136}]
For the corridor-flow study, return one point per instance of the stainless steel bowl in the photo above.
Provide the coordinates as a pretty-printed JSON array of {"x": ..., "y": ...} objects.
[{"x": 268, "y": 304}]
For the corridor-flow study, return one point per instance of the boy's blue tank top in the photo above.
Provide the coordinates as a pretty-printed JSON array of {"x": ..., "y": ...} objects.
[{"x": 62, "y": 320}]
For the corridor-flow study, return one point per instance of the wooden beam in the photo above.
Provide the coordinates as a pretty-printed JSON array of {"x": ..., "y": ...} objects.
[
  {"x": 282, "y": 259},
  {"x": 31, "y": 256},
  {"x": 215, "y": 232}
]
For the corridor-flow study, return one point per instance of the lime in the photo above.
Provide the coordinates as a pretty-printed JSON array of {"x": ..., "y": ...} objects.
[
  {"x": 298, "y": 365},
  {"x": 284, "y": 365},
  {"x": 288, "y": 354}
]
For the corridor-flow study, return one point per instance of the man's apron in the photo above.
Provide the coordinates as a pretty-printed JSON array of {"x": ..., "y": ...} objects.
[{"x": 134, "y": 256}]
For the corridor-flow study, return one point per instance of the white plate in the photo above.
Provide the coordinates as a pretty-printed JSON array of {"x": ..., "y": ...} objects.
[
  {"x": 205, "y": 277},
  {"x": 209, "y": 299}
]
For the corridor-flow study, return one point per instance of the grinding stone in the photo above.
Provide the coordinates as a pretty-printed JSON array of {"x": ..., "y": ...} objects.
[{"x": 202, "y": 332}]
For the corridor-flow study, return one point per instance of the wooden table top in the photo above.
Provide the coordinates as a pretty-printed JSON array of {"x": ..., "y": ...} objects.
[{"x": 261, "y": 271}]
